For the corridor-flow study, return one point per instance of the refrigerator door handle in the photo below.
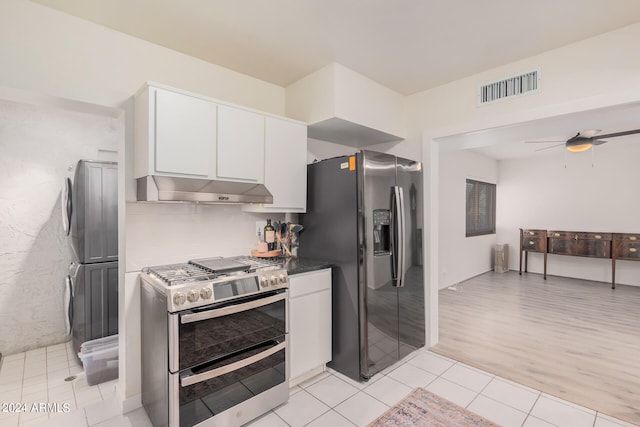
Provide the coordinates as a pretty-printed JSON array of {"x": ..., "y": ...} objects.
[
  {"x": 394, "y": 233},
  {"x": 401, "y": 238},
  {"x": 397, "y": 239}
]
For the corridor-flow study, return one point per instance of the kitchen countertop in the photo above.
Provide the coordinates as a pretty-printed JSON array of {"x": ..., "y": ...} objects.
[{"x": 303, "y": 265}]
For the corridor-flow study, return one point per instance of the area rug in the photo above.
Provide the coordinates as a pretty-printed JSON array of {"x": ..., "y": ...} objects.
[{"x": 424, "y": 409}]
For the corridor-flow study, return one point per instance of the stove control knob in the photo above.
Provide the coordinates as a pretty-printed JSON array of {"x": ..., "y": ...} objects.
[
  {"x": 264, "y": 281},
  {"x": 283, "y": 279},
  {"x": 179, "y": 298},
  {"x": 205, "y": 293},
  {"x": 193, "y": 295},
  {"x": 274, "y": 280}
]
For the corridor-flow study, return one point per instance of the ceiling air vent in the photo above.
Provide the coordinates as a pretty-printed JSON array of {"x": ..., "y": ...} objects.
[{"x": 513, "y": 86}]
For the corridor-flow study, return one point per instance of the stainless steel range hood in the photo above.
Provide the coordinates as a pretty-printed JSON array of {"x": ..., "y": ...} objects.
[{"x": 156, "y": 188}]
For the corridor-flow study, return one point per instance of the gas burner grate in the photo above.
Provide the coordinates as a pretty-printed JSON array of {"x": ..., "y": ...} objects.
[
  {"x": 234, "y": 265},
  {"x": 175, "y": 274}
]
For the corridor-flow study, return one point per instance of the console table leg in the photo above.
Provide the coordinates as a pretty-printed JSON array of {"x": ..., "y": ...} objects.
[
  {"x": 526, "y": 260},
  {"x": 613, "y": 273},
  {"x": 520, "y": 268},
  {"x": 545, "y": 266}
]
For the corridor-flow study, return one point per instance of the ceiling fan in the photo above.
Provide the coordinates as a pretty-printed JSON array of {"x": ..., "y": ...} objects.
[{"x": 583, "y": 141}]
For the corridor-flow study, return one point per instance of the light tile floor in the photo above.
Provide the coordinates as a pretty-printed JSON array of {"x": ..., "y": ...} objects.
[
  {"x": 329, "y": 399},
  {"x": 49, "y": 384},
  {"x": 333, "y": 400}
]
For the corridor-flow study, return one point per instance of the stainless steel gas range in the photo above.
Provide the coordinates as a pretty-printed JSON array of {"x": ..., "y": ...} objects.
[{"x": 214, "y": 341}]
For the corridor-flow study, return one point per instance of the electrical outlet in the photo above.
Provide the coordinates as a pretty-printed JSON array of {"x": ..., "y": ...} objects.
[{"x": 260, "y": 229}]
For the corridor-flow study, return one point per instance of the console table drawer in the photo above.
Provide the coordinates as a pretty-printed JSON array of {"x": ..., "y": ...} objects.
[
  {"x": 563, "y": 235},
  {"x": 625, "y": 249},
  {"x": 534, "y": 233},
  {"x": 627, "y": 237},
  {"x": 578, "y": 235},
  {"x": 595, "y": 236},
  {"x": 534, "y": 244}
]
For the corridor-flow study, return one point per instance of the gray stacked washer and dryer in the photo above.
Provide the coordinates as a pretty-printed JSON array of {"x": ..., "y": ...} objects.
[{"x": 90, "y": 217}]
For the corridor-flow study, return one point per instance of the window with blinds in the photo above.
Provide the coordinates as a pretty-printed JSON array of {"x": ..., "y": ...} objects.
[{"x": 481, "y": 208}]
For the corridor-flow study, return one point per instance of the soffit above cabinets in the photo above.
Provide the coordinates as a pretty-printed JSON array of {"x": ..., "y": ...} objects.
[
  {"x": 348, "y": 133},
  {"x": 342, "y": 106}
]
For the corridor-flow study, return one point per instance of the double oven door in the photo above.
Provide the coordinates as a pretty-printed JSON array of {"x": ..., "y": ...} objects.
[{"x": 228, "y": 362}]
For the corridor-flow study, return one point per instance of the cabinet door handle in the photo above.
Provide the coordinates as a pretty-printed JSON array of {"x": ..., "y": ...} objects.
[
  {"x": 531, "y": 233},
  {"x": 632, "y": 249},
  {"x": 632, "y": 238},
  {"x": 556, "y": 234},
  {"x": 532, "y": 242},
  {"x": 598, "y": 236}
]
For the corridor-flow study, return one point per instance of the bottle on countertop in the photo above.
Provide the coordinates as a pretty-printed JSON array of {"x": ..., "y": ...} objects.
[{"x": 270, "y": 235}]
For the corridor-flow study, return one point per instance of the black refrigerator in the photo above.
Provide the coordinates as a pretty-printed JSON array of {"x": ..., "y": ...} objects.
[
  {"x": 90, "y": 219},
  {"x": 364, "y": 213}
]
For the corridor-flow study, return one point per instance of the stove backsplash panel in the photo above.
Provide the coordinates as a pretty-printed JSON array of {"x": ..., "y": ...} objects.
[{"x": 167, "y": 233}]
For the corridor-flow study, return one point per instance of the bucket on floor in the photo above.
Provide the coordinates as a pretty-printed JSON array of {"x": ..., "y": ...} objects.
[
  {"x": 501, "y": 258},
  {"x": 100, "y": 359}
]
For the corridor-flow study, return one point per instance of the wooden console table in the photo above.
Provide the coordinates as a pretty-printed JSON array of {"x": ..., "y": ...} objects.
[{"x": 612, "y": 246}]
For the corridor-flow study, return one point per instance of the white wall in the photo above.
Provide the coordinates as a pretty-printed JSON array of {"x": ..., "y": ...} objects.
[
  {"x": 567, "y": 86},
  {"x": 47, "y": 51},
  {"x": 542, "y": 193},
  {"x": 40, "y": 146},
  {"x": 462, "y": 257}
]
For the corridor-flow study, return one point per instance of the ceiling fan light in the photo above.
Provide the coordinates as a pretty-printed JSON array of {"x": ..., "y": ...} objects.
[{"x": 579, "y": 148}]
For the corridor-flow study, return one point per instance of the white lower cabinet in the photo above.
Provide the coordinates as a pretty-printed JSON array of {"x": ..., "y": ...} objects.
[{"x": 309, "y": 323}]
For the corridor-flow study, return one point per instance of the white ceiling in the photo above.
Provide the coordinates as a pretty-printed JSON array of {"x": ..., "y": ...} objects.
[
  {"x": 508, "y": 142},
  {"x": 406, "y": 45}
]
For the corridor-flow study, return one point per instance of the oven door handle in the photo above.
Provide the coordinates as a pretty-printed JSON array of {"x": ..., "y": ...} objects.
[
  {"x": 192, "y": 379},
  {"x": 190, "y": 317}
]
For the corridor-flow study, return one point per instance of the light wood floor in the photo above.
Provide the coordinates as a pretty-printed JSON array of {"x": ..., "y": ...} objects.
[{"x": 574, "y": 339}]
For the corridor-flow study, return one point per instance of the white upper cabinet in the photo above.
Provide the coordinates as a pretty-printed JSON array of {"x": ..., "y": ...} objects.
[
  {"x": 285, "y": 172},
  {"x": 175, "y": 134},
  {"x": 185, "y": 134},
  {"x": 240, "y": 154}
]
